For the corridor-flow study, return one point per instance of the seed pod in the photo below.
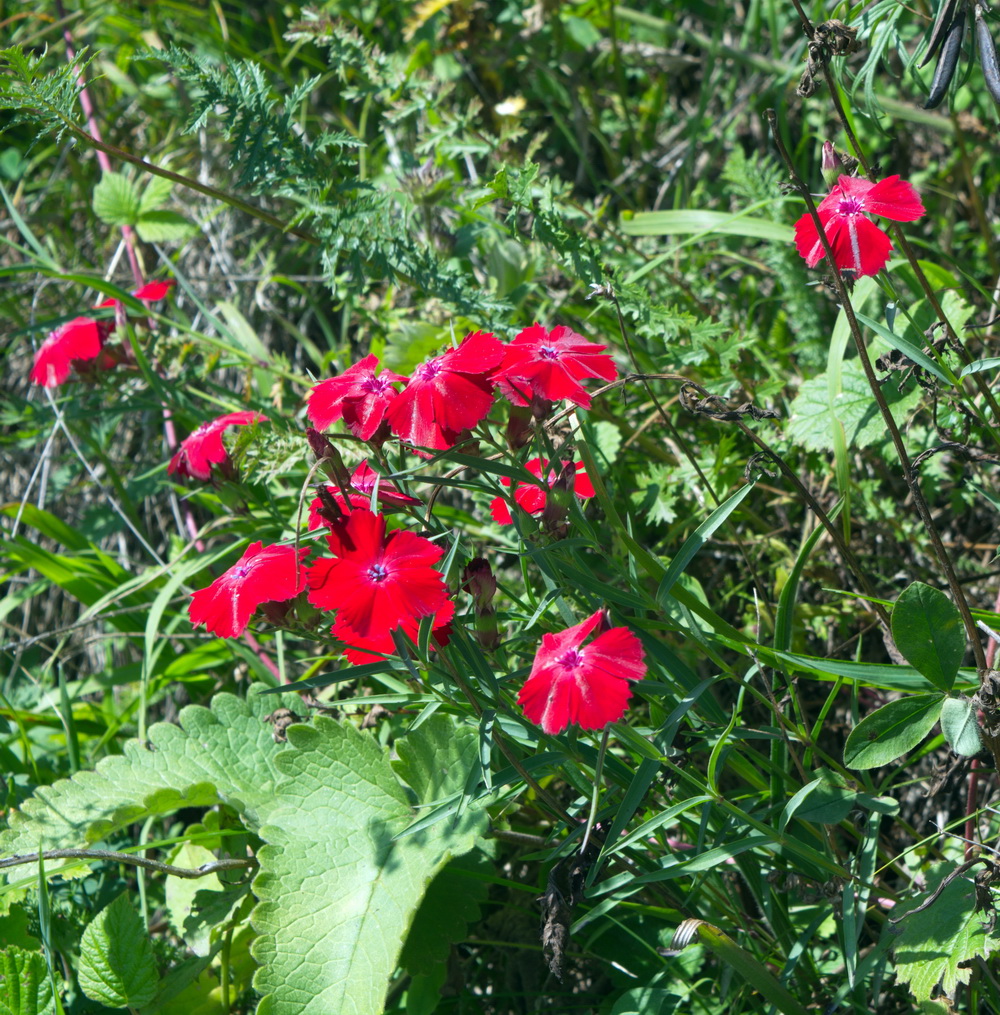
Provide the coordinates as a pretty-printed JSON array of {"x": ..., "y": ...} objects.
[
  {"x": 947, "y": 62},
  {"x": 987, "y": 54},
  {"x": 940, "y": 30}
]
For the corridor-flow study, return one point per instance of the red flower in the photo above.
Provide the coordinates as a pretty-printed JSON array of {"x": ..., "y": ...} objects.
[
  {"x": 586, "y": 685},
  {"x": 550, "y": 365},
  {"x": 264, "y": 574},
  {"x": 858, "y": 244},
  {"x": 81, "y": 340},
  {"x": 357, "y": 396},
  {"x": 362, "y": 481},
  {"x": 448, "y": 394},
  {"x": 377, "y": 582},
  {"x": 531, "y": 497},
  {"x": 371, "y": 650},
  {"x": 73, "y": 342},
  {"x": 200, "y": 450},
  {"x": 151, "y": 292}
]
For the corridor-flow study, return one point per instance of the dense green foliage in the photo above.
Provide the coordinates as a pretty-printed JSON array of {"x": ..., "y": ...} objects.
[{"x": 793, "y": 775}]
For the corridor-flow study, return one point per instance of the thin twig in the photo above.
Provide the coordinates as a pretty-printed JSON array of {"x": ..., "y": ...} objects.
[{"x": 231, "y": 863}]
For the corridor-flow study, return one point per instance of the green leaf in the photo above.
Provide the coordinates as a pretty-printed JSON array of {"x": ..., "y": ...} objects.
[
  {"x": 814, "y": 411},
  {"x": 156, "y": 191},
  {"x": 225, "y": 754},
  {"x": 907, "y": 348},
  {"x": 116, "y": 958},
  {"x": 928, "y": 630},
  {"x": 959, "y": 726},
  {"x": 892, "y": 730},
  {"x": 163, "y": 226},
  {"x": 335, "y": 907},
  {"x": 980, "y": 365},
  {"x": 116, "y": 200},
  {"x": 935, "y": 942},
  {"x": 25, "y": 987},
  {"x": 647, "y": 1001},
  {"x": 684, "y": 221},
  {"x": 698, "y": 538}
]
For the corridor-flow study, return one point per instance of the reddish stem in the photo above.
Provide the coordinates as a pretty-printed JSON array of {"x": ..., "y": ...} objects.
[{"x": 128, "y": 235}]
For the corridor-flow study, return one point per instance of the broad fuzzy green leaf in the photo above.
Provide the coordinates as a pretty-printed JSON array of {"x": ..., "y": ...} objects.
[
  {"x": 928, "y": 630},
  {"x": 161, "y": 226},
  {"x": 934, "y": 943},
  {"x": 25, "y": 987},
  {"x": 338, "y": 891},
  {"x": 889, "y": 732},
  {"x": 337, "y": 888},
  {"x": 116, "y": 958},
  {"x": 959, "y": 726},
  {"x": 225, "y": 754},
  {"x": 814, "y": 411}
]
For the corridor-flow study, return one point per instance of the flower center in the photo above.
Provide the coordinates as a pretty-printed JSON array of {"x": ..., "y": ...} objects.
[
  {"x": 428, "y": 371},
  {"x": 571, "y": 659},
  {"x": 548, "y": 352},
  {"x": 377, "y": 573},
  {"x": 243, "y": 570},
  {"x": 375, "y": 385},
  {"x": 850, "y": 206}
]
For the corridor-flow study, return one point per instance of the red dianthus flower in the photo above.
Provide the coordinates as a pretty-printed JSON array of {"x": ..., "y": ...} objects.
[
  {"x": 532, "y": 498},
  {"x": 358, "y": 396},
  {"x": 81, "y": 340},
  {"x": 584, "y": 685},
  {"x": 858, "y": 244},
  {"x": 377, "y": 582},
  {"x": 203, "y": 448},
  {"x": 550, "y": 365},
  {"x": 448, "y": 394},
  {"x": 73, "y": 342},
  {"x": 370, "y": 650},
  {"x": 264, "y": 574}
]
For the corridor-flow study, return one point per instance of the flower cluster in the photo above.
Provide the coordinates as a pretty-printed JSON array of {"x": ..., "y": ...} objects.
[
  {"x": 82, "y": 340},
  {"x": 381, "y": 584},
  {"x": 448, "y": 395}
]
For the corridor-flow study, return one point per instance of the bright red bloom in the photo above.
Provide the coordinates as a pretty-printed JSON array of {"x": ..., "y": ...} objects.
[
  {"x": 532, "y": 498},
  {"x": 73, "y": 342},
  {"x": 200, "y": 450},
  {"x": 371, "y": 650},
  {"x": 858, "y": 244},
  {"x": 151, "y": 292},
  {"x": 363, "y": 482},
  {"x": 448, "y": 394},
  {"x": 358, "y": 396},
  {"x": 585, "y": 685},
  {"x": 377, "y": 582},
  {"x": 550, "y": 365},
  {"x": 264, "y": 574}
]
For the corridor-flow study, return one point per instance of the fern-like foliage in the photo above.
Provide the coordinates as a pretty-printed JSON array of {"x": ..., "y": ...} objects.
[
  {"x": 46, "y": 99},
  {"x": 339, "y": 885}
]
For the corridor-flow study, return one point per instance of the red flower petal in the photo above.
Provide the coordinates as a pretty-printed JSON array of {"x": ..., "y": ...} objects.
[
  {"x": 370, "y": 650},
  {"x": 202, "y": 449},
  {"x": 76, "y": 340},
  {"x": 261, "y": 575},
  {"x": 895, "y": 199},
  {"x": 152, "y": 292},
  {"x": 532, "y": 498},
  {"x": 584, "y": 685}
]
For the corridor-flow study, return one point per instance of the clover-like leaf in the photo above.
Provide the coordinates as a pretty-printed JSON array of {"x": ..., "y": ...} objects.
[
  {"x": 928, "y": 630},
  {"x": 892, "y": 730}
]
